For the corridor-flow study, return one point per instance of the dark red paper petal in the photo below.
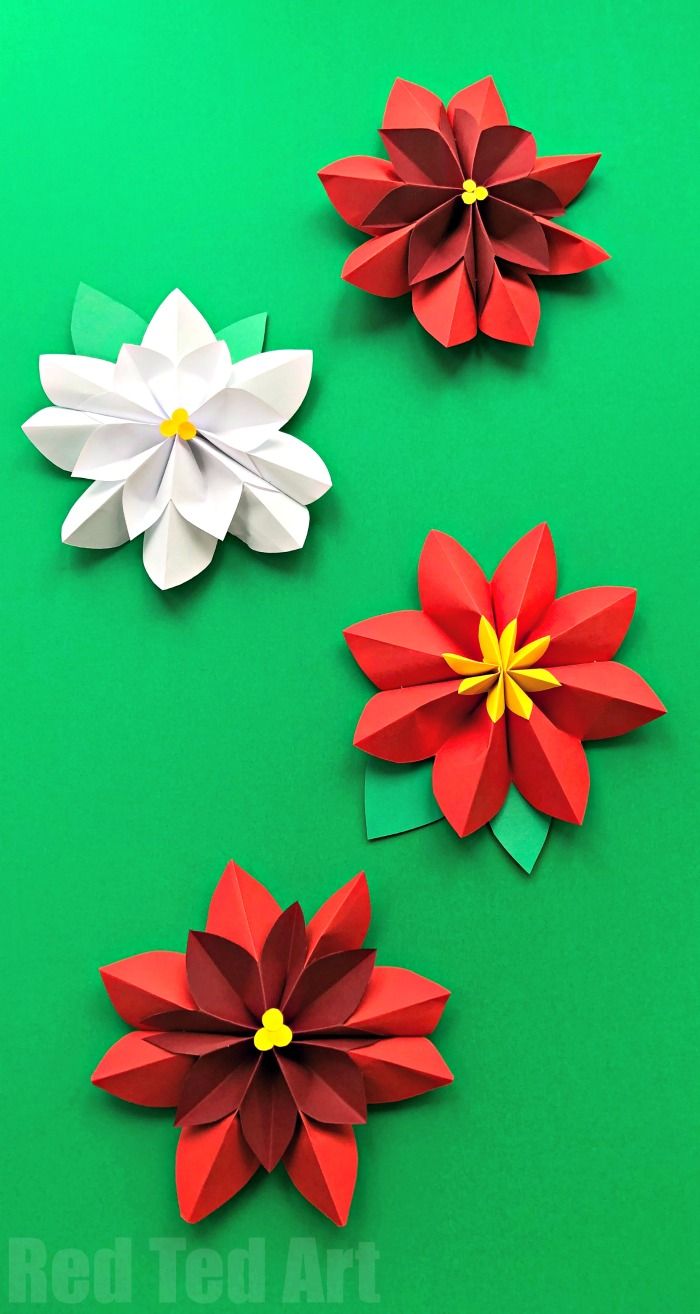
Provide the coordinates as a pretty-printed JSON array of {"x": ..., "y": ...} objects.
[
  {"x": 587, "y": 626},
  {"x": 529, "y": 194},
  {"x": 399, "y": 1068},
  {"x": 410, "y": 725},
  {"x": 600, "y": 700},
  {"x": 147, "y": 983},
  {"x": 137, "y": 1072},
  {"x": 445, "y": 307},
  {"x": 466, "y": 134},
  {"x": 568, "y": 252},
  {"x": 470, "y": 773},
  {"x": 322, "y": 1164},
  {"x": 566, "y": 175},
  {"x": 216, "y": 1085},
  {"x": 515, "y": 235},
  {"x": 342, "y": 921},
  {"x": 195, "y": 1043},
  {"x": 380, "y": 266},
  {"x": 482, "y": 101},
  {"x": 325, "y": 1083},
  {"x": 406, "y": 204},
  {"x": 511, "y": 310},
  {"x": 357, "y": 184},
  {"x": 224, "y": 979},
  {"x": 453, "y": 590},
  {"x": 400, "y": 648},
  {"x": 439, "y": 241},
  {"x": 283, "y": 955},
  {"x": 524, "y": 582},
  {"x": 242, "y": 909},
  {"x": 329, "y": 989},
  {"x": 398, "y": 1002},
  {"x": 423, "y": 155},
  {"x": 483, "y": 259},
  {"x": 549, "y": 767},
  {"x": 268, "y": 1114},
  {"x": 192, "y": 1020},
  {"x": 212, "y": 1165},
  {"x": 504, "y": 153}
]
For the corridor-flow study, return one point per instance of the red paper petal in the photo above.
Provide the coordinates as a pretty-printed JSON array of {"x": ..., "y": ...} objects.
[
  {"x": 504, "y": 153},
  {"x": 147, "y": 983},
  {"x": 283, "y": 955},
  {"x": 511, "y": 310},
  {"x": 454, "y": 591},
  {"x": 408, "y": 203},
  {"x": 482, "y": 101},
  {"x": 322, "y": 1163},
  {"x": 140, "y": 1073},
  {"x": 325, "y": 1083},
  {"x": 196, "y": 1043},
  {"x": 587, "y": 626},
  {"x": 566, "y": 175},
  {"x": 380, "y": 266},
  {"x": 445, "y": 307},
  {"x": 190, "y": 1021},
  {"x": 470, "y": 774},
  {"x": 568, "y": 252},
  {"x": 242, "y": 909},
  {"x": 399, "y": 1068},
  {"x": 418, "y": 137},
  {"x": 216, "y": 1085},
  {"x": 438, "y": 241},
  {"x": 466, "y": 134},
  {"x": 224, "y": 979},
  {"x": 524, "y": 583},
  {"x": 549, "y": 766},
  {"x": 409, "y": 725},
  {"x": 400, "y": 648},
  {"x": 515, "y": 235},
  {"x": 399, "y": 1003},
  {"x": 342, "y": 921},
  {"x": 212, "y": 1164},
  {"x": 268, "y": 1114},
  {"x": 329, "y": 989},
  {"x": 600, "y": 700},
  {"x": 357, "y": 184},
  {"x": 529, "y": 194}
]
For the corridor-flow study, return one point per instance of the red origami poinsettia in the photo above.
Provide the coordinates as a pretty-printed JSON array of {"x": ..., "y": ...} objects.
[
  {"x": 271, "y": 1037},
  {"x": 499, "y": 681},
  {"x": 461, "y": 214}
]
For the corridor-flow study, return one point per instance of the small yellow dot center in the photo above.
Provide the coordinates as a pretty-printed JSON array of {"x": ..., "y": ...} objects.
[
  {"x": 273, "y": 1032},
  {"x": 179, "y": 426},
  {"x": 473, "y": 191}
]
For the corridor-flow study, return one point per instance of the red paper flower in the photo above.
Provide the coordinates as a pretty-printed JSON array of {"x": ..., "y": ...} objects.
[
  {"x": 499, "y": 681},
  {"x": 271, "y": 1037},
  {"x": 461, "y": 214}
]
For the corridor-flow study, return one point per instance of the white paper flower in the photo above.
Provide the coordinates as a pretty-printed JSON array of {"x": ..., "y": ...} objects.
[{"x": 184, "y": 446}]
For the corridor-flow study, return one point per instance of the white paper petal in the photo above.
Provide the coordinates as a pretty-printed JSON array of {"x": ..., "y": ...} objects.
[
  {"x": 115, "y": 450},
  {"x": 269, "y": 521},
  {"x": 60, "y": 435},
  {"x": 96, "y": 520},
  {"x": 177, "y": 328},
  {"x": 147, "y": 378},
  {"x": 230, "y": 410},
  {"x": 145, "y": 493},
  {"x": 175, "y": 551},
  {"x": 71, "y": 381},
  {"x": 292, "y": 466},
  {"x": 280, "y": 378},
  {"x": 201, "y": 374}
]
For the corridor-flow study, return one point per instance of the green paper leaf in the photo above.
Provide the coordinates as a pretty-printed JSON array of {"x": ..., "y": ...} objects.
[
  {"x": 398, "y": 797},
  {"x": 100, "y": 326},
  {"x": 246, "y": 337},
  {"x": 521, "y": 830}
]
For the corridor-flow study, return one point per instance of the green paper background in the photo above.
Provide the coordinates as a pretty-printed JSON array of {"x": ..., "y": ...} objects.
[{"x": 147, "y": 737}]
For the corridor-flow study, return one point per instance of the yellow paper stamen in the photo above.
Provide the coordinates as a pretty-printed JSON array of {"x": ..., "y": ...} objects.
[
  {"x": 273, "y": 1032},
  {"x": 505, "y": 674},
  {"x": 179, "y": 426},
  {"x": 473, "y": 191}
]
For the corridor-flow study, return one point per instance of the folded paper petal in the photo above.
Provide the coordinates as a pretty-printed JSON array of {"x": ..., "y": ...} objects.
[
  {"x": 342, "y": 921},
  {"x": 529, "y": 194},
  {"x": 279, "y": 379},
  {"x": 408, "y": 204},
  {"x": 380, "y": 265},
  {"x": 174, "y": 550},
  {"x": 453, "y": 590},
  {"x": 399, "y": 1068},
  {"x": 398, "y": 1002},
  {"x": 270, "y": 521},
  {"x": 470, "y": 773},
  {"x": 511, "y": 310},
  {"x": 524, "y": 582},
  {"x": 177, "y": 328},
  {"x": 224, "y": 979},
  {"x": 212, "y": 1165},
  {"x": 566, "y": 175},
  {"x": 587, "y": 626},
  {"x": 60, "y": 435},
  {"x": 322, "y": 1164},
  {"x": 268, "y": 1114},
  {"x": 329, "y": 990},
  {"x": 438, "y": 241},
  {"x": 242, "y": 909},
  {"x": 549, "y": 766},
  {"x": 517, "y": 236},
  {"x": 114, "y": 450},
  {"x": 292, "y": 466},
  {"x": 147, "y": 983},
  {"x": 216, "y": 1085},
  {"x": 96, "y": 520},
  {"x": 324, "y": 1082},
  {"x": 504, "y": 153},
  {"x": 600, "y": 700},
  {"x": 417, "y": 134},
  {"x": 140, "y": 1073},
  {"x": 72, "y": 382},
  {"x": 570, "y": 253},
  {"x": 400, "y": 648},
  {"x": 283, "y": 956},
  {"x": 356, "y": 185},
  {"x": 194, "y": 1043},
  {"x": 409, "y": 725},
  {"x": 482, "y": 101},
  {"x": 445, "y": 306}
]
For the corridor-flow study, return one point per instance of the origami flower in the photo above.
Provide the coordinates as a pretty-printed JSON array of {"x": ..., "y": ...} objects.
[
  {"x": 184, "y": 446},
  {"x": 499, "y": 682},
  {"x": 460, "y": 214},
  {"x": 271, "y": 1037}
]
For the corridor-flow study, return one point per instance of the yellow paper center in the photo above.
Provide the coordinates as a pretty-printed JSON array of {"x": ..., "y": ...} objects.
[
  {"x": 473, "y": 191},
  {"x": 274, "y": 1030},
  {"x": 505, "y": 674},
  {"x": 179, "y": 426}
]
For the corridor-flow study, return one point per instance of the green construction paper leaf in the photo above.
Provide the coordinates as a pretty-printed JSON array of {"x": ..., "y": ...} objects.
[
  {"x": 398, "y": 797},
  {"x": 100, "y": 326},
  {"x": 246, "y": 337},
  {"x": 521, "y": 830}
]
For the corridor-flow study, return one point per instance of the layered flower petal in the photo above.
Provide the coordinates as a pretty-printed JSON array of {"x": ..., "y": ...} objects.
[
  {"x": 216, "y": 1085},
  {"x": 470, "y": 773},
  {"x": 325, "y": 1083},
  {"x": 453, "y": 590},
  {"x": 177, "y": 328},
  {"x": 400, "y": 648},
  {"x": 329, "y": 989},
  {"x": 342, "y": 921},
  {"x": 147, "y": 983},
  {"x": 587, "y": 626},
  {"x": 516, "y": 236},
  {"x": 549, "y": 766},
  {"x": 140, "y": 1073},
  {"x": 438, "y": 241},
  {"x": 242, "y": 909},
  {"x": 399, "y": 1068},
  {"x": 482, "y": 101},
  {"x": 568, "y": 252},
  {"x": 408, "y": 204},
  {"x": 511, "y": 310},
  {"x": 322, "y": 1164},
  {"x": 292, "y": 466},
  {"x": 503, "y": 154},
  {"x": 445, "y": 306},
  {"x": 268, "y": 1114},
  {"x": 566, "y": 175},
  {"x": 224, "y": 979},
  {"x": 96, "y": 520},
  {"x": 268, "y": 520},
  {"x": 280, "y": 379},
  {"x": 114, "y": 451},
  {"x": 174, "y": 550},
  {"x": 380, "y": 265},
  {"x": 409, "y": 725},
  {"x": 398, "y": 1002},
  {"x": 212, "y": 1165},
  {"x": 72, "y": 382},
  {"x": 356, "y": 185},
  {"x": 60, "y": 434},
  {"x": 418, "y": 137},
  {"x": 600, "y": 700},
  {"x": 524, "y": 582},
  {"x": 283, "y": 956}
]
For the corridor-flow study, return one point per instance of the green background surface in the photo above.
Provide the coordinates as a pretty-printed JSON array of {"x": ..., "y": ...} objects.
[{"x": 149, "y": 737}]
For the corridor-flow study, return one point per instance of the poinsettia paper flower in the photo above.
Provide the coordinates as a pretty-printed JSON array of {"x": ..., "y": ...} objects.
[
  {"x": 270, "y": 1037},
  {"x": 460, "y": 215},
  {"x": 184, "y": 446},
  {"x": 499, "y": 681}
]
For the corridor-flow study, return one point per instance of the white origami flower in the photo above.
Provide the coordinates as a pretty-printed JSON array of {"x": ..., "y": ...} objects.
[{"x": 184, "y": 446}]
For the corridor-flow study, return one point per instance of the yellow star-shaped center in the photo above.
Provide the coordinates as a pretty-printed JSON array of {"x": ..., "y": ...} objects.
[
  {"x": 179, "y": 426},
  {"x": 274, "y": 1030},
  {"x": 505, "y": 674},
  {"x": 473, "y": 191}
]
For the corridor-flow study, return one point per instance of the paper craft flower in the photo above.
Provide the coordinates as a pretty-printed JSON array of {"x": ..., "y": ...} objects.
[
  {"x": 460, "y": 215},
  {"x": 184, "y": 445},
  {"x": 271, "y": 1037},
  {"x": 499, "y": 682}
]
